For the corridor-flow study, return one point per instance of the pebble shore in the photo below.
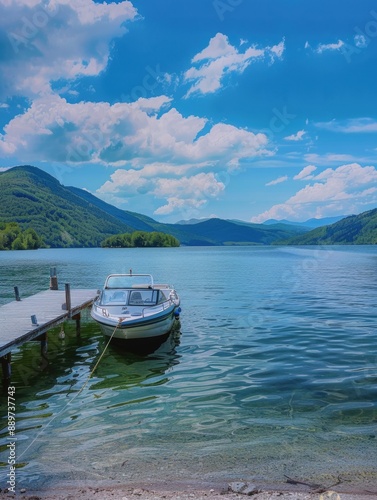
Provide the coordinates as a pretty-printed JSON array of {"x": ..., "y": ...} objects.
[{"x": 232, "y": 491}]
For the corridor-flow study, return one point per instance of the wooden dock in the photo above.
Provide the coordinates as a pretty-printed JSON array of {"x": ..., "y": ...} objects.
[{"x": 30, "y": 318}]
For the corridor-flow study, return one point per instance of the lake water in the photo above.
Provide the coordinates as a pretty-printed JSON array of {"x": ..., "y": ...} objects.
[{"x": 274, "y": 372}]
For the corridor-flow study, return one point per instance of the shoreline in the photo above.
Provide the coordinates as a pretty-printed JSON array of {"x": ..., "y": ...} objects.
[{"x": 167, "y": 490}]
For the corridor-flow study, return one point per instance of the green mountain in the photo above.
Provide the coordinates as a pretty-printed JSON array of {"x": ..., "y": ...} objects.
[
  {"x": 72, "y": 217},
  {"x": 353, "y": 230},
  {"x": 137, "y": 221},
  {"x": 37, "y": 200},
  {"x": 223, "y": 232}
]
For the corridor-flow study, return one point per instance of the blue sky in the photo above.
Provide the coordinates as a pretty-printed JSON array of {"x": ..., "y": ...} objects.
[{"x": 240, "y": 109}]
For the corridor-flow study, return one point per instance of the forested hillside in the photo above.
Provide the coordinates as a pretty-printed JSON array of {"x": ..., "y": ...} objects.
[
  {"x": 72, "y": 217},
  {"x": 353, "y": 230}
]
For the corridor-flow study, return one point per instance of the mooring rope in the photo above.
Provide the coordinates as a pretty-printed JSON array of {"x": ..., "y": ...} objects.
[
  {"x": 98, "y": 362},
  {"x": 75, "y": 396}
]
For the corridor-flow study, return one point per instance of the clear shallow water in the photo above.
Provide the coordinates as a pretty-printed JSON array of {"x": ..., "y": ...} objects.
[{"x": 274, "y": 372}]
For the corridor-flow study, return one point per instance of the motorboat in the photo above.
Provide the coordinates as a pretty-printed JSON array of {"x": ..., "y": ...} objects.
[{"x": 131, "y": 306}]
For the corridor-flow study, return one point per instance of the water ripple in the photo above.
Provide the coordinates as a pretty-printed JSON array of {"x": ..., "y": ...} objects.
[{"x": 276, "y": 364}]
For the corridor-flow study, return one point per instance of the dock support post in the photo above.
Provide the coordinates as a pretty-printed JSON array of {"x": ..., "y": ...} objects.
[
  {"x": 77, "y": 317},
  {"x": 17, "y": 293},
  {"x": 53, "y": 279},
  {"x": 44, "y": 343},
  {"x": 7, "y": 370},
  {"x": 68, "y": 298}
]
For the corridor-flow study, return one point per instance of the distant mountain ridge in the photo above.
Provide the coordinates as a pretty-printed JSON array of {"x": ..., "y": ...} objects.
[
  {"x": 353, "y": 230},
  {"x": 72, "y": 217},
  {"x": 310, "y": 223}
]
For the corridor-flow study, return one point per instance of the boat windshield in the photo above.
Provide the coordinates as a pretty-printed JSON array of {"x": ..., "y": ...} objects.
[
  {"x": 114, "y": 298},
  {"x": 130, "y": 297},
  {"x": 129, "y": 281}
]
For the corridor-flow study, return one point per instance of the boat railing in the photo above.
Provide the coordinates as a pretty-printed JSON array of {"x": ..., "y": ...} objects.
[
  {"x": 146, "y": 311},
  {"x": 157, "y": 308}
]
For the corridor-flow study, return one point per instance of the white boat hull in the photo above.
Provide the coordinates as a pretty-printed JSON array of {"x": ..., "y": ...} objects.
[{"x": 143, "y": 330}]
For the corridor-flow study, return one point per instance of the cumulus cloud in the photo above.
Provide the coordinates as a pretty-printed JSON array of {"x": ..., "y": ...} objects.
[
  {"x": 220, "y": 59},
  {"x": 160, "y": 150},
  {"x": 56, "y": 39},
  {"x": 333, "y": 191},
  {"x": 188, "y": 192},
  {"x": 180, "y": 193},
  {"x": 141, "y": 132},
  {"x": 296, "y": 137}
]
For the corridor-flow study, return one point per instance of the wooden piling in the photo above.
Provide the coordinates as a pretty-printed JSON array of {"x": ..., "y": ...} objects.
[
  {"x": 44, "y": 343},
  {"x": 53, "y": 279},
  {"x": 67, "y": 288},
  {"x": 77, "y": 317},
  {"x": 7, "y": 370},
  {"x": 17, "y": 293}
]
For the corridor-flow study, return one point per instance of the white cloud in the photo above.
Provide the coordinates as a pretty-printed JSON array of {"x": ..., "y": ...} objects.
[
  {"x": 184, "y": 192},
  {"x": 175, "y": 204},
  {"x": 323, "y": 47},
  {"x": 327, "y": 158},
  {"x": 334, "y": 191},
  {"x": 199, "y": 186},
  {"x": 360, "y": 41},
  {"x": 278, "y": 50},
  {"x": 160, "y": 151},
  {"x": 349, "y": 176},
  {"x": 219, "y": 59},
  {"x": 218, "y": 46},
  {"x": 191, "y": 191},
  {"x": 352, "y": 126},
  {"x": 279, "y": 180},
  {"x": 57, "y": 39},
  {"x": 296, "y": 137},
  {"x": 305, "y": 173}
]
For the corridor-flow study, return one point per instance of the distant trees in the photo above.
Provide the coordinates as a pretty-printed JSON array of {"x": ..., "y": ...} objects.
[
  {"x": 140, "y": 239},
  {"x": 13, "y": 238}
]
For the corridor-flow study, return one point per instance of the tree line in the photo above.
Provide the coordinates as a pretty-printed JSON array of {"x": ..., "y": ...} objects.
[
  {"x": 12, "y": 237},
  {"x": 139, "y": 239}
]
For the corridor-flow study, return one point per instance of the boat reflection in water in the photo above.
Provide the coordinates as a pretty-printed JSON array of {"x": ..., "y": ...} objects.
[{"x": 131, "y": 365}]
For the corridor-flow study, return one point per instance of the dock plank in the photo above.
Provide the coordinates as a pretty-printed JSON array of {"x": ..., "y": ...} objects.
[{"x": 49, "y": 308}]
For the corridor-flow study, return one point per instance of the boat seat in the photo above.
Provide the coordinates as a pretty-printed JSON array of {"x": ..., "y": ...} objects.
[{"x": 136, "y": 299}]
